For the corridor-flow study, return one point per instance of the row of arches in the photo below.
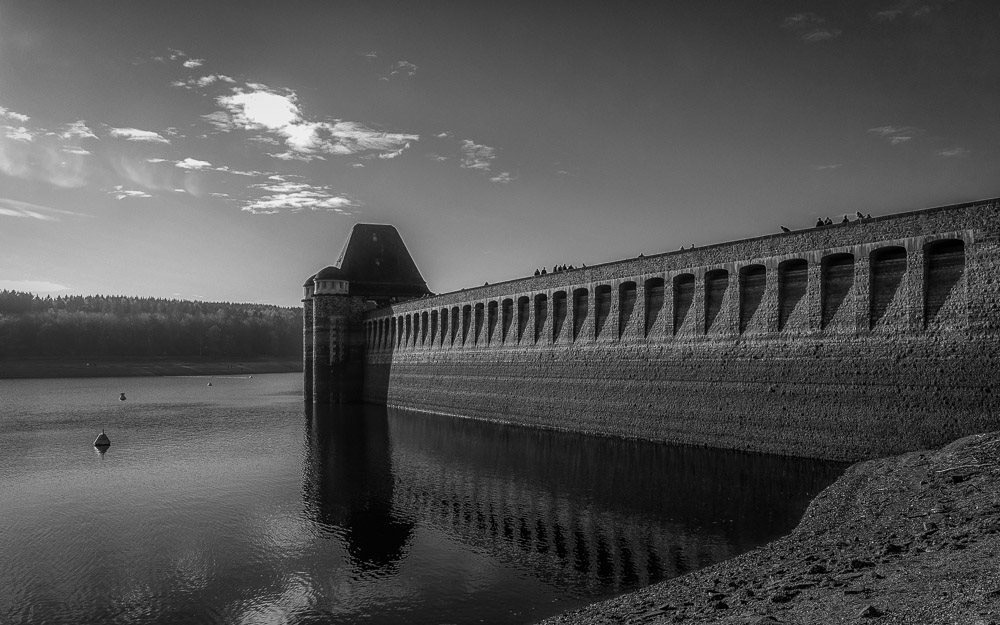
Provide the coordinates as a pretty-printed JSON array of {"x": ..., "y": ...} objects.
[{"x": 736, "y": 300}]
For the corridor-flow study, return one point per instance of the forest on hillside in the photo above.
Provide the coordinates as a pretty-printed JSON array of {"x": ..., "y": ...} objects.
[{"x": 97, "y": 327}]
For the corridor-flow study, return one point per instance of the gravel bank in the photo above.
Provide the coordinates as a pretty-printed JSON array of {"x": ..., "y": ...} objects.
[{"x": 909, "y": 539}]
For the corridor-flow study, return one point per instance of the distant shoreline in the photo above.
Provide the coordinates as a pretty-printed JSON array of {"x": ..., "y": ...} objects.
[{"x": 79, "y": 368}]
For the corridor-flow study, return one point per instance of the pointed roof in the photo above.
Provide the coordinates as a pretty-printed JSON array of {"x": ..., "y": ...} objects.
[{"x": 377, "y": 264}]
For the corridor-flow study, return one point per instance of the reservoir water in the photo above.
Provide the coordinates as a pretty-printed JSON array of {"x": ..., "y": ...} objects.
[{"x": 230, "y": 503}]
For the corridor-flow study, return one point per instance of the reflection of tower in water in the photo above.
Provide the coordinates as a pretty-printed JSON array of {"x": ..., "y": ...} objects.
[{"x": 348, "y": 484}]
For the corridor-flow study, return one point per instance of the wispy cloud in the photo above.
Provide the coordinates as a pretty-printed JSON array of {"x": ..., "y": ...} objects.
[
  {"x": 135, "y": 134},
  {"x": 402, "y": 69},
  {"x": 907, "y": 8},
  {"x": 810, "y": 28},
  {"x": 296, "y": 196},
  {"x": 18, "y": 208},
  {"x": 503, "y": 177},
  {"x": 32, "y": 286},
  {"x": 77, "y": 130},
  {"x": 204, "y": 81},
  {"x": 477, "y": 156},
  {"x": 193, "y": 63},
  {"x": 955, "y": 152},
  {"x": 121, "y": 193},
  {"x": 828, "y": 167},
  {"x": 896, "y": 135}
]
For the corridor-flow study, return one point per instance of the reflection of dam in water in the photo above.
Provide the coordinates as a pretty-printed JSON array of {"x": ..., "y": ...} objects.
[{"x": 590, "y": 515}]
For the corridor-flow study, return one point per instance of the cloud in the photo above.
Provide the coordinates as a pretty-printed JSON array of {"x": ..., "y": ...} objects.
[
  {"x": 76, "y": 151},
  {"x": 810, "y": 27},
  {"x": 120, "y": 193},
  {"x": 279, "y": 114},
  {"x": 828, "y": 167},
  {"x": 204, "y": 81},
  {"x": 294, "y": 201},
  {"x": 19, "y": 133},
  {"x": 77, "y": 130},
  {"x": 193, "y": 63},
  {"x": 11, "y": 115},
  {"x": 437, "y": 157},
  {"x": 191, "y": 163},
  {"x": 896, "y": 135},
  {"x": 402, "y": 69},
  {"x": 394, "y": 154},
  {"x": 503, "y": 177},
  {"x": 32, "y": 286},
  {"x": 908, "y": 8},
  {"x": 477, "y": 156},
  {"x": 955, "y": 152},
  {"x": 24, "y": 210},
  {"x": 134, "y": 134}
]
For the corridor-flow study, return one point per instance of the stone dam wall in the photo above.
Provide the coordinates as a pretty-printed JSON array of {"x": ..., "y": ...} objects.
[{"x": 843, "y": 342}]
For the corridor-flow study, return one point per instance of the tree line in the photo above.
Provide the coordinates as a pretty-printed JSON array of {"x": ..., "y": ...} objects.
[{"x": 96, "y": 327}]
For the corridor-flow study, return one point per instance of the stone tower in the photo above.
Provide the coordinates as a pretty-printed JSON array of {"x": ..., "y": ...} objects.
[{"x": 375, "y": 270}]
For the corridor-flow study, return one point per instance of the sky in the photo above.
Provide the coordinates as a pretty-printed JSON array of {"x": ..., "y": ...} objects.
[{"x": 223, "y": 150}]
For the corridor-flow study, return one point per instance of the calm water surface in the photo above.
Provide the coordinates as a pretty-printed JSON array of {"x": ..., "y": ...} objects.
[{"x": 229, "y": 504}]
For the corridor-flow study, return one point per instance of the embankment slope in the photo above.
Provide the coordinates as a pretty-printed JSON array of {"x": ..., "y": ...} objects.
[{"x": 908, "y": 539}]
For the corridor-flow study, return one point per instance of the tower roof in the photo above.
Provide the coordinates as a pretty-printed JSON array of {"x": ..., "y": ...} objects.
[{"x": 377, "y": 264}]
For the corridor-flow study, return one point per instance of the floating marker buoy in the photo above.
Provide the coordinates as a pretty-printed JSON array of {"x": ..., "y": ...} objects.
[
  {"x": 102, "y": 440},
  {"x": 121, "y": 397},
  {"x": 209, "y": 384}
]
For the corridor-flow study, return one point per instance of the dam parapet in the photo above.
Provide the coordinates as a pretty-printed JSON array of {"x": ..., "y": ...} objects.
[{"x": 847, "y": 341}]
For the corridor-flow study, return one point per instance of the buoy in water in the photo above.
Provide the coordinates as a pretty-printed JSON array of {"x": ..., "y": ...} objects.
[
  {"x": 209, "y": 384},
  {"x": 102, "y": 440},
  {"x": 121, "y": 397}
]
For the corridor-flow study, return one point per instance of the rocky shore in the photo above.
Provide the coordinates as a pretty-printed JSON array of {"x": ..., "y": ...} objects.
[{"x": 909, "y": 539}]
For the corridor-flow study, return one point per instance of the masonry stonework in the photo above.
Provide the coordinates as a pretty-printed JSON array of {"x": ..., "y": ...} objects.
[{"x": 844, "y": 342}]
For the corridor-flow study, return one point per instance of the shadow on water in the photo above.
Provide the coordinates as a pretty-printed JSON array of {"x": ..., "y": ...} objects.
[
  {"x": 348, "y": 489},
  {"x": 592, "y": 516}
]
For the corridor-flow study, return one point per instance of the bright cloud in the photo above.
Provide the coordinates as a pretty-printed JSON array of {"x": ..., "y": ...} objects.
[
  {"x": 17, "y": 208},
  {"x": 120, "y": 193},
  {"x": 204, "y": 81},
  {"x": 11, "y": 115},
  {"x": 193, "y": 63},
  {"x": 297, "y": 201},
  {"x": 477, "y": 156},
  {"x": 191, "y": 163},
  {"x": 503, "y": 177},
  {"x": 279, "y": 114},
  {"x": 134, "y": 134}
]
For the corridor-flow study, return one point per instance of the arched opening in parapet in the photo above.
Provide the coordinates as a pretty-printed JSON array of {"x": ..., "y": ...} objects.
[
  {"x": 455, "y": 323},
  {"x": 944, "y": 267},
  {"x": 626, "y": 304},
  {"x": 602, "y": 308},
  {"x": 836, "y": 282},
  {"x": 444, "y": 326},
  {"x": 491, "y": 320},
  {"x": 753, "y": 280},
  {"x": 399, "y": 331},
  {"x": 478, "y": 337},
  {"x": 558, "y": 313},
  {"x": 434, "y": 326},
  {"x": 581, "y": 302},
  {"x": 409, "y": 330},
  {"x": 466, "y": 322},
  {"x": 716, "y": 284},
  {"x": 888, "y": 268},
  {"x": 507, "y": 314},
  {"x": 424, "y": 328},
  {"x": 793, "y": 278},
  {"x": 523, "y": 314},
  {"x": 683, "y": 299},
  {"x": 541, "y": 315},
  {"x": 653, "y": 303}
]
